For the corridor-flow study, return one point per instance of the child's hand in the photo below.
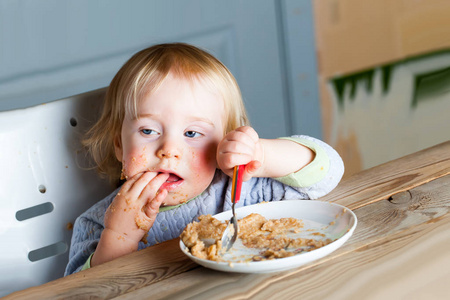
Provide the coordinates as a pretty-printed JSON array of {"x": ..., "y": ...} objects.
[
  {"x": 240, "y": 147},
  {"x": 130, "y": 216},
  {"x": 136, "y": 205}
]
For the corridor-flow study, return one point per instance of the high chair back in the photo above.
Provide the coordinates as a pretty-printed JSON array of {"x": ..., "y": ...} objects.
[{"x": 45, "y": 184}]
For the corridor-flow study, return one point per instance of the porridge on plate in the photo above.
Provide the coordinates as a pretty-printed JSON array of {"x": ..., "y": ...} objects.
[{"x": 258, "y": 239}]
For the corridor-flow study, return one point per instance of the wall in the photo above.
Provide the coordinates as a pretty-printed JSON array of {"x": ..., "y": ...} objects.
[
  {"x": 52, "y": 49},
  {"x": 383, "y": 76}
]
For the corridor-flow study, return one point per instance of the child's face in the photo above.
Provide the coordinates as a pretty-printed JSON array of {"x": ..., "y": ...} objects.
[{"x": 177, "y": 132}]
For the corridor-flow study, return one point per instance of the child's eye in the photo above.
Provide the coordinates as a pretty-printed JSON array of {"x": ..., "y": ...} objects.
[
  {"x": 148, "y": 131},
  {"x": 192, "y": 134}
]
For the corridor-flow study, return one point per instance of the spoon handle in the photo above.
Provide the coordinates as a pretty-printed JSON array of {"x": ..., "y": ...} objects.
[{"x": 237, "y": 183}]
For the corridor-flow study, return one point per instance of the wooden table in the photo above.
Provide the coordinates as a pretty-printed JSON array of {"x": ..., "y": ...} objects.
[{"x": 400, "y": 249}]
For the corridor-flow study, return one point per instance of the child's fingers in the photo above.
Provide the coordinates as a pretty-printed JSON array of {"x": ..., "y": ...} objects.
[
  {"x": 151, "y": 209},
  {"x": 130, "y": 182},
  {"x": 142, "y": 186},
  {"x": 250, "y": 132},
  {"x": 250, "y": 169},
  {"x": 237, "y": 149},
  {"x": 229, "y": 160},
  {"x": 144, "y": 180},
  {"x": 151, "y": 189},
  {"x": 239, "y": 139}
]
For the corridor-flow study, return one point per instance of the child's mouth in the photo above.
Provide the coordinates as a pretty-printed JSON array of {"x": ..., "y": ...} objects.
[
  {"x": 172, "y": 182},
  {"x": 173, "y": 178}
]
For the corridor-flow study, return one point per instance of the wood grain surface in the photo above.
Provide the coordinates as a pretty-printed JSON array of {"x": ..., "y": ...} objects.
[
  {"x": 381, "y": 182},
  {"x": 403, "y": 210},
  {"x": 123, "y": 275},
  {"x": 401, "y": 229}
]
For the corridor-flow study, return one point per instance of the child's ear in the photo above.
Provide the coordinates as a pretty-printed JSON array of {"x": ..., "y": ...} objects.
[{"x": 118, "y": 148}]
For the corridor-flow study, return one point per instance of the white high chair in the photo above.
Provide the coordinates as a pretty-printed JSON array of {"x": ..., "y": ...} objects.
[{"x": 45, "y": 185}]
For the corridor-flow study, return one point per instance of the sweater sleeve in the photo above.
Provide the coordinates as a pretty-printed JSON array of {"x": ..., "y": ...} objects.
[
  {"x": 320, "y": 176},
  {"x": 87, "y": 230},
  {"x": 84, "y": 242}
]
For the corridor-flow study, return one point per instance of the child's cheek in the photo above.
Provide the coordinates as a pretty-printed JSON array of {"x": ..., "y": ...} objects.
[
  {"x": 134, "y": 163},
  {"x": 203, "y": 160}
]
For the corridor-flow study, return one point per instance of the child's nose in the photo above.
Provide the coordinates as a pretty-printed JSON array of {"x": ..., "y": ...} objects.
[{"x": 168, "y": 150}]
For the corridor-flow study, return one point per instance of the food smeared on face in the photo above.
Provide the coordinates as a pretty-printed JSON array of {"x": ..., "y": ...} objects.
[{"x": 179, "y": 138}]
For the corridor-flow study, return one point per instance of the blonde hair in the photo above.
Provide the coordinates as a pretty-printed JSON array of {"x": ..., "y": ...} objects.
[{"x": 142, "y": 74}]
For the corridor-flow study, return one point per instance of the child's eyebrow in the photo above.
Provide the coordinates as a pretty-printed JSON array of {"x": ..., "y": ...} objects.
[
  {"x": 144, "y": 116},
  {"x": 205, "y": 120},
  {"x": 189, "y": 119}
]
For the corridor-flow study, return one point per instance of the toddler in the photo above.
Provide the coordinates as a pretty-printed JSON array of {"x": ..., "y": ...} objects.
[{"x": 172, "y": 129}]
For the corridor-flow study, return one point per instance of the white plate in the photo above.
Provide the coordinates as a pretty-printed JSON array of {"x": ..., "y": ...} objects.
[{"x": 335, "y": 221}]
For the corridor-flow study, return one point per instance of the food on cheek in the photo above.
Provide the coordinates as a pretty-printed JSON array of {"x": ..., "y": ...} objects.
[
  {"x": 132, "y": 164},
  {"x": 180, "y": 197},
  {"x": 123, "y": 176},
  {"x": 271, "y": 238}
]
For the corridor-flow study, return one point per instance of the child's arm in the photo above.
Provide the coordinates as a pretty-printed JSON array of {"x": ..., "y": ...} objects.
[
  {"x": 130, "y": 216},
  {"x": 263, "y": 157}
]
